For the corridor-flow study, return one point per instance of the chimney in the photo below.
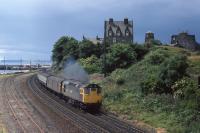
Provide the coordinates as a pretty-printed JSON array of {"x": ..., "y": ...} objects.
[
  {"x": 126, "y": 21},
  {"x": 110, "y": 20}
]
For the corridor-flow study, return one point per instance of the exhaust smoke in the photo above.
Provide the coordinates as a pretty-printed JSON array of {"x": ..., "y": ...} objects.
[{"x": 73, "y": 70}]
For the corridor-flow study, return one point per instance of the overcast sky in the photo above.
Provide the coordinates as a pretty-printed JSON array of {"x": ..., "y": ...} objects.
[{"x": 29, "y": 28}]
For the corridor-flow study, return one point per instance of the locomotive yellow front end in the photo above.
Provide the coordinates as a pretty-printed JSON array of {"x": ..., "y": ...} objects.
[{"x": 91, "y": 95}]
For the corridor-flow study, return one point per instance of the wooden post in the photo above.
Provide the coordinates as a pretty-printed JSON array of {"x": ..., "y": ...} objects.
[{"x": 199, "y": 82}]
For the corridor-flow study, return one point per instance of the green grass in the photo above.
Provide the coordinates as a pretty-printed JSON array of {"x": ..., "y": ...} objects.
[{"x": 122, "y": 95}]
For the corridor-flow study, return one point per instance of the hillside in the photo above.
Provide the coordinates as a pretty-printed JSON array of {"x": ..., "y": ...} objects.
[{"x": 177, "y": 111}]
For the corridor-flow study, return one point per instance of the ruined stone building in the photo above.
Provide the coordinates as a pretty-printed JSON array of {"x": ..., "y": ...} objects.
[
  {"x": 149, "y": 37},
  {"x": 185, "y": 40},
  {"x": 118, "y": 31}
]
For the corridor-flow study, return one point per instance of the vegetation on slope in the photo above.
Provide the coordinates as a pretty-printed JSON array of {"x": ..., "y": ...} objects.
[
  {"x": 157, "y": 86},
  {"x": 91, "y": 55},
  {"x": 159, "y": 90}
]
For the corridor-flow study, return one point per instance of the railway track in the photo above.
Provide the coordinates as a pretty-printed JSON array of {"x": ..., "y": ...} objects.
[
  {"x": 100, "y": 122},
  {"x": 25, "y": 121},
  {"x": 83, "y": 124}
]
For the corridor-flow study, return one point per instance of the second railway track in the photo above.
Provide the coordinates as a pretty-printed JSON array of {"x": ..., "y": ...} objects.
[
  {"x": 85, "y": 121},
  {"x": 25, "y": 121}
]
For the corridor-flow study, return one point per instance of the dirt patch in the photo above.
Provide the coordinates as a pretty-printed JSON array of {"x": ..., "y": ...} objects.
[{"x": 161, "y": 130}]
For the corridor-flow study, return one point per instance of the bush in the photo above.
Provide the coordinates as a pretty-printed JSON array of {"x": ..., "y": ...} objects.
[
  {"x": 117, "y": 77},
  {"x": 140, "y": 50},
  {"x": 120, "y": 56},
  {"x": 171, "y": 71},
  {"x": 157, "y": 56},
  {"x": 115, "y": 95},
  {"x": 88, "y": 48},
  {"x": 148, "y": 85},
  {"x": 91, "y": 64}
]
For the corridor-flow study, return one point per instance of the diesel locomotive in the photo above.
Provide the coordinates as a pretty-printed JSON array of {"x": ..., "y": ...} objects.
[{"x": 85, "y": 96}]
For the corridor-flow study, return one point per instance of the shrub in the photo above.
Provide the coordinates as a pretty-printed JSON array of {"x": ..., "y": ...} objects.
[
  {"x": 140, "y": 50},
  {"x": 88, "y": 48},
  {"x": 115, "y": 95},
  {"x": 120, "y": 56},
  {"x": 118, "y": 77},
  {"x": 171, "y": 71},
  {"x": 91, "y": 64},
  {"x": 156, "y": 58},
  {"x": 148, "y": 85}
]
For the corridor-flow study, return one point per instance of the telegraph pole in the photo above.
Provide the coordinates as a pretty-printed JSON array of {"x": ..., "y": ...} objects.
[
  {"x": 104, "y": 51},
  {"x": 30, "y": 65},
  {"x": 21, "y": 64},
  {"x": 4, "y": 61}
]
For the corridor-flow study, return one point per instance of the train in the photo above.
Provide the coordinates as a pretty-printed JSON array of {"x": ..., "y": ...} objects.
[{"x": 84, "y": 95}]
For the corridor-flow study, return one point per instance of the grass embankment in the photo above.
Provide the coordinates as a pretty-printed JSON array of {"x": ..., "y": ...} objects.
[{"x": 123, "y": 96}]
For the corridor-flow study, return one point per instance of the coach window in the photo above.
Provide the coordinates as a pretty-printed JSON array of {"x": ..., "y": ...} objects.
[{"x": 87, "y": 90}]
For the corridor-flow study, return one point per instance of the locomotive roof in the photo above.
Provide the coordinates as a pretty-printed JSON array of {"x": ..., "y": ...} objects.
[
  {"x": 43, "y": 74},
  {"x": 57, "y": 78},
  {"x": 73, "y": 82}
]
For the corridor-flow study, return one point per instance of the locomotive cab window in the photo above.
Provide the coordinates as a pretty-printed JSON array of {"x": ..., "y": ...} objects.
[
  {"x": 93, "y": 89},
  {"x": 87, "y": 90}
]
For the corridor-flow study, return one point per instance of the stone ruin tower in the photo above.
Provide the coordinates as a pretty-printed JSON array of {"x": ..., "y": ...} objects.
[{"x": 149, "y": 37}]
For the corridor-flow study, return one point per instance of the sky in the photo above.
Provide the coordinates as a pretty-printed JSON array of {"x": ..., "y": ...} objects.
[{"x": 29, "y": 28}]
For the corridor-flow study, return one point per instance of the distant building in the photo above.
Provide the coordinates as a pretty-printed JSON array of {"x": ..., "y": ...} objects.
[
  {"x": 118, "y": 31},
  {"x": 96, "y": 40},
  {"x": 185, "y": 40},
  {"x": 149, "y": 37}
]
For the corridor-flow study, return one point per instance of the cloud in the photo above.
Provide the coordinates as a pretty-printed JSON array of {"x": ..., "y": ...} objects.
[{"x": 31, "y": 27}]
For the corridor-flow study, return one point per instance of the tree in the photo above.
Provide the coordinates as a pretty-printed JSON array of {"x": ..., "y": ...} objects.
[
  {"x": 88, "y": 48},
  {"x": 91, "y": 64},
  {"x": 120, "y": 56},
  {"x": 63, "y": 48}
]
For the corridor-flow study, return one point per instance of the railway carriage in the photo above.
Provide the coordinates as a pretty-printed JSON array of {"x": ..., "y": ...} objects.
[
  {"x": 43, "y": 78},
  {"x": 55, "y": 83}
]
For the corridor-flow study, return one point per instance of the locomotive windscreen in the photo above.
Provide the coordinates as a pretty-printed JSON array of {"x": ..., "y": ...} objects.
[{"x": 92, "y": 87}]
